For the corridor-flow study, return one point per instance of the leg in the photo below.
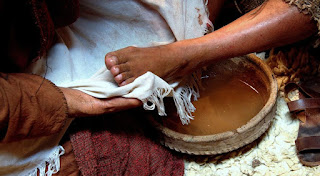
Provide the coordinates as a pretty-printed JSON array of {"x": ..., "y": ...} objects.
[{"x": 274, "y": 24}]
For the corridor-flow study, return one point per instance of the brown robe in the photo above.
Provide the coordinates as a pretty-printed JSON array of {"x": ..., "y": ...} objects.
[{"x": 30, "y": 105}]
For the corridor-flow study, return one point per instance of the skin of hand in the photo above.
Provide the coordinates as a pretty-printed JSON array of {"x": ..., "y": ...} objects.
[
  {"x": 83, "y": 105},
  {"x": 273, "y": 24}
]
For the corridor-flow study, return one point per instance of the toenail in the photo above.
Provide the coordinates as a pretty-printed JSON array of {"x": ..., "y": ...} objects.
[
  {"x": 118, "y": 77},
  {"x": 123, "y": 83},
  {"x": 115, "y": 70},
  {"x": 113, "y": 59}
]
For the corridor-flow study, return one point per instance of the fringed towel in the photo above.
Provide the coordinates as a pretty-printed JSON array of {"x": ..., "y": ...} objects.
[
  {"x": 149, "y": 88},
  {"x": 109, "y": 25}
]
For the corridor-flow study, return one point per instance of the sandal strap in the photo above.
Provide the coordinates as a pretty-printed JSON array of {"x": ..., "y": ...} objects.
[
  {"x": 308, "y": 143},
  {"x": 309, "y": 88},
  {"x": 292, "y": 86},
  {"x": 303, "y": 104}
]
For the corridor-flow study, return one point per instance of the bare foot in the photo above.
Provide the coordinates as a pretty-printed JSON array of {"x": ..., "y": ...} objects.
[{"x": 129, "y": 63}]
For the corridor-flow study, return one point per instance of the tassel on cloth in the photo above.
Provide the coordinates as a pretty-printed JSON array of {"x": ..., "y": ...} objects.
[
  {"x": 182, "y": 96},
  {"x": 52, "y": 164}
]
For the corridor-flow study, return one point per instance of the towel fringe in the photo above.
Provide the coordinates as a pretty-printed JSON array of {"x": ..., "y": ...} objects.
[
  {"x": 182, "y": 97},
  {"x": 156, "y": 100},
  {"x": 52, "y": 164}
]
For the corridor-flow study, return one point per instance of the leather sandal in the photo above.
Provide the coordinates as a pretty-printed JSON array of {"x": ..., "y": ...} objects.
[{"x": 307, "y": 110}]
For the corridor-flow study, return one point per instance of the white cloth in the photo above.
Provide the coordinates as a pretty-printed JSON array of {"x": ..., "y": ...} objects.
[
  {"x": 105, "y": 26},
  {"x": 32, "y": 157},
  {"x": 108, "y": 25}
]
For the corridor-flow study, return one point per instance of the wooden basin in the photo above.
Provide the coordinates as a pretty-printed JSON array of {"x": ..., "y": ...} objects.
[{"x": 236, "y": 106}]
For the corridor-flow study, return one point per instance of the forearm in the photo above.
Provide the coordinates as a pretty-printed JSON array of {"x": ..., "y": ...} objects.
[
  {"x": 31, "y": 106},
  {"x": 274, "y": 24}
]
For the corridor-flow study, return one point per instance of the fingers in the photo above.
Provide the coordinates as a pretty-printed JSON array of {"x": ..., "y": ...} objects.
[
  {"x": 82, "y": 105},
  {"x": 119, "y": 104}
]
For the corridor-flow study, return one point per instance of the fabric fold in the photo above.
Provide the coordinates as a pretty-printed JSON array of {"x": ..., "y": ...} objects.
[
  {"x": 103, "y": 27},
  {"x": 149, "y": 88}
]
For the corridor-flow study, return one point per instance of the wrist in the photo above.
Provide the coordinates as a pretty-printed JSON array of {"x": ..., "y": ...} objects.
[{"x": 69, "y": 95}]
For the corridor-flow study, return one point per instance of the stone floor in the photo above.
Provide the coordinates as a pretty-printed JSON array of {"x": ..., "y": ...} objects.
[{"x": 272, "y": 154}]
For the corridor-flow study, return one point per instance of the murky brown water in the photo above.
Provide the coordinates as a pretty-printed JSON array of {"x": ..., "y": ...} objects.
[
  {"x": 227, "y": 102},
  {"x": 222, "y": 107}
]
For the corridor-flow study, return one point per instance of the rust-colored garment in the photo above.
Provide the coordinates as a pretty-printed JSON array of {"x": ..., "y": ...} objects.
[
  {"x": 31, "y": 106},
  {"x": 122, "y": 144},
  {"x": 117, "y": 144}
]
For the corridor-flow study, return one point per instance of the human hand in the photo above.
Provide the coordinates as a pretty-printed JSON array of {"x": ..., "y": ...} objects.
[{"x": 82, "y": 105}]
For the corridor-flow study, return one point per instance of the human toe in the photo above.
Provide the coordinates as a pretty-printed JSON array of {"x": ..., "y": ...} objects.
[
  {"x": 123, "y": 78},
  {"x": 127, "y": 81},
  {"x": 118, "y": 69},
  {"x": 115, "y": 70},
  {"x": 111, "y": 61}
]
